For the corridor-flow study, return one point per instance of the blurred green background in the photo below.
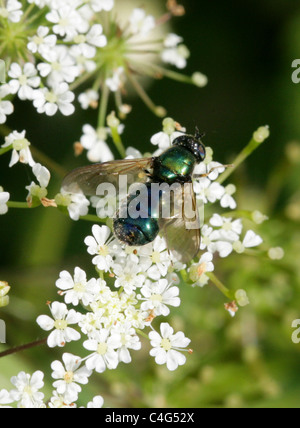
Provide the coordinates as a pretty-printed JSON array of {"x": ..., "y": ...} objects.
[{"x": 246, "y": 49}]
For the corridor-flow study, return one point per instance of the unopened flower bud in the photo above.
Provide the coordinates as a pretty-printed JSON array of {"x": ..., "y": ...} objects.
[
  {"x": 276, "y": 253},
  {"x": 242, "y": 298},
  {"x": 261, "y": 134},
  {"x": 199, "y": 79},
  {"x": 258, "y": 217}
]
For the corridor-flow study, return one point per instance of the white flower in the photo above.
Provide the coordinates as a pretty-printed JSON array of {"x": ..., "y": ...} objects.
[
  {"x": 197, "y": 272},
  {"x": 207, "y": 191},
  {"x": 91, "y": 322},
  {"x": 61, "y": 333},
  {"x": 129, "y": 276},
  {"x": 6, "y": 107},
  {"x": 167, "y": 347},
  {"x": 115, "y": 82},
  {"x": 68, "y": 22},
  {"x": 58, "y": 401},
  {"x": 42, "y": 42},
  {"x": 76, "y": 203},
  {"x": 99, "y": 245},
  {"x": 4, "y": 198},
  {"x": 27, "y": 388},
  {"x": 21, "y": 152},
  {"x": 155, "y": 259},
  {"x": 213, "y": 168},
  {"x": 164, "y": 140},
  {"x": 229, "y": 230},
  {"x": 227, "y": 201},
  {"x": 172, "y": 40},
  {"x": 250, "y": 240},
  {"x": 5, "y": 398},
  {"x": 158, "y": 296},
  {"x": 69, "y": 375},
  {"x": 23, "y": 80},
  {"x": 88, "y": 99},
  {"x": 94, "y": 142},
  {"x": 140, "y": 23},
  {"x": 11, "y": 11},
  {"x": 43, "y": 176},
  {"x": 83, "y": 57},
  {"x": 99, "y": 5},
  {"x": 60, "y": 66},
  {"x": 49, "y": 101},
  {"x": 174, "y": 52},
  {"x": 104, "y": 354},
  {"x": 128, "y": 340},
  {"x": 97, "y": 403},
  {"x": 78, "y": 289},
  {"x": 94, "y": 38}
]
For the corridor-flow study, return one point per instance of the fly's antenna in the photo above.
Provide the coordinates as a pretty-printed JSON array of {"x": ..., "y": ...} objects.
[{"x": 198, "y": 134}]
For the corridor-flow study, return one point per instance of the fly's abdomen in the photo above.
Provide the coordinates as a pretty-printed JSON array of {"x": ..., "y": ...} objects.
[
  {"x": 176, "y": 164},
  {"x": 136, "y": 223}
]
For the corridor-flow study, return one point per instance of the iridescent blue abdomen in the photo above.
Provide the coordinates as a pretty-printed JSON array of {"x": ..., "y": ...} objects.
[{"x": 136, "y": 223}]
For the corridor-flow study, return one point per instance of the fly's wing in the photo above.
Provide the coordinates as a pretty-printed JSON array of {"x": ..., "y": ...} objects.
[
  {"x": 87, "y": 179},
  {"x": 182, "y": 229}
]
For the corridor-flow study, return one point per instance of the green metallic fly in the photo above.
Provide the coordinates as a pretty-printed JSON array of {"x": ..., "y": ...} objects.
[{"x": 175, "y": 165}]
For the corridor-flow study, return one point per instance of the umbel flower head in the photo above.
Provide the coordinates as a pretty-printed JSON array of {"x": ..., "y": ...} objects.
[{"x": 53, "y": 47}]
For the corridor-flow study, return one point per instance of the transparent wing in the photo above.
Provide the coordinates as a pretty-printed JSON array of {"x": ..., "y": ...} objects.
[
  {"x": 182, "y": 229},
  {"x": 88, "y": 178}
]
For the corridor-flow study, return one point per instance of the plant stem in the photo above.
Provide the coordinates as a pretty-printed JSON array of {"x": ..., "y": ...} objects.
[
  {"x": 224, "y": 290},
  {"x": 103, "y": 106},
  {"x": 245, "y": 153},
  {"x": 23, "y": 348},
  {"x": 21, "y": 205}
]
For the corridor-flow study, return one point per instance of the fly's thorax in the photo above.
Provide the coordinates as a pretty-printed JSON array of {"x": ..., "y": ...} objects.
[{"x": 174, "y": 165}]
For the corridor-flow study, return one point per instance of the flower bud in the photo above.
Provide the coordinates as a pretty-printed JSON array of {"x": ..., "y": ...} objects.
[
  {"x": 261, "y": 134},
  {"x": 199, "y": 79},
  {"x": 276, "y": 253},
  {"x": 242, "y": 298}
]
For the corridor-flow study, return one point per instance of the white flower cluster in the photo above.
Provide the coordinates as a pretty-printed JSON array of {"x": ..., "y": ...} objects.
[
  {"x": 138, "y": 289},
  {"x": 69, "y": 48},
  {"x": 27, "y": 394}
]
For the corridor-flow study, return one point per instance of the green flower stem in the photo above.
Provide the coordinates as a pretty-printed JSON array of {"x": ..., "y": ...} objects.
[
  {"x": 224, "y": 290},
  {"x": 118, "y": 142},
  {"x": 245, "y": 153},
  {"x": 23, "y": 348},
  {"x": 18, "y": 205},
  {"x": 103, "y": 106},
  {"x": 5, "y": 150},
  {"x": 93, "y": 218},
  {"x": 239, "y": 213},
  {"x": 27, "y": 12},
  {"x": 158, "y": 111},
  {"x": 141, "y": 333}
]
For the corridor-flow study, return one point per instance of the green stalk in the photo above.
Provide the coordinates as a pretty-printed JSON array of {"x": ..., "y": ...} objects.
[
  {"x": 103, "y": 106},
  {"x": 256, "y": 141},
  {"x": 18, "y": 205},
  {"x": 224, "y": 290}
]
